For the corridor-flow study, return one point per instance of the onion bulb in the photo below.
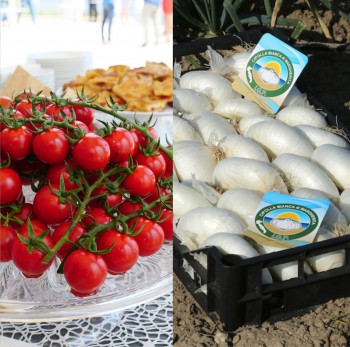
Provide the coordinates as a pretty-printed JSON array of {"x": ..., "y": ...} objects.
[
  {"x": 326, "y": 261},
  {"x": 335, "y": 161},
  {"x": 296, "y": 98},
  {"x": 283, "y": 271},
  {"x": 214, "y": 86},
  {"x": 198, "y": 224},
  {"x": 228, "y": 243},
  {"x": 212, "y": 128},
  {"x": 242, "y": 201},
  {"x": 194, "y": 159},
  {"x": 344, "y": 204},
  {"x": 295, "y": 115},
  {"x": 319, "y": 137},
  {"x": 276, "y": 138},
  {"x": 248, "y": 173},
  {"x": 239, "y": 146},
  {"x": 246, "y": 123},
  {"x": 187, "y": 199},
  {"x": 237, "y": 108},
  {"x": 190, "y": 101},
  {"x": 300, "y": 172},
  {"x": 183, "y": 130}
]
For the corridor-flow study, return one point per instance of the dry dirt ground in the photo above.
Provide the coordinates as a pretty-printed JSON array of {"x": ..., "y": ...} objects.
[{"x": 327, "y": 76}]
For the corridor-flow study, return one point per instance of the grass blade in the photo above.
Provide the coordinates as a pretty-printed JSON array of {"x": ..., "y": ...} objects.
[
  {"x": 313, "y": 9},
  {"x": 229, "y": 8}
]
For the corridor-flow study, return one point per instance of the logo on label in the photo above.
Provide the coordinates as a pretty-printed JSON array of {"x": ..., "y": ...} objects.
[
  {"x": 286, "y": 221},
  {"x": 269, "y": 73}
]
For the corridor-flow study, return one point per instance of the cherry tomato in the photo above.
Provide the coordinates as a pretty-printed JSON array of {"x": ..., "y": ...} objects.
[
  {"x": 168, "y": 165},
  {"x": 17, "y": 143},
  {"x": 6, "y": 102},
  {"x": 141, "y": 182},
  {"x": 22, "y": 215},
  {"x": 55, "y": 172},
  {"x": 85, "y": 272},
  {"x": 128, "y": 207},
  {"x": 151, "y": 237},
  {"x": 122, "y": 145},
  {"x": 83, "y": 114},
  {"x": 10, "y": 186},
  {"x": 91, "y": 152},
  {"x": 7, "y": 237},
  {"x": 51, "y": 146},
  {"x": 154, "y": 162},
  {"x": 124, "y": 253},
  {"x": 74, "y": 236},
  {"x": 25, "y": 107},
  {"x": 166, "y": 222},
  {"x": 111, "y": 199},
  {"x": 81, "y": 125},
  {"x": 39, "y": 226},
  {"x": 143, "y": 140},
  {"x": 96, "y": 215},
  {"x": 30, "y": 263},
  {"x": 47, "y": 207},
  {"x": 30, "y": 167},
  {"x": 56, "y": 112},
  {"x": 155, "y": 195}
]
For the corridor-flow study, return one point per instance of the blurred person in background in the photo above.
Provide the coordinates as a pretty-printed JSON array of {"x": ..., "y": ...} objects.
[
  {"x": 149, "y": 16},
  {"x": 108, "y": 14},
  {"x": 4, "y": 4},
  {"x": 124, "y": 14},
  {"x": 93, "y": 10},
  {"x": 31, "y": 9},
  {"x": 167, "y": 6}
]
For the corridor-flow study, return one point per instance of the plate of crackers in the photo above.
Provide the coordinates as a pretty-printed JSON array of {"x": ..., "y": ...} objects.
[{"x": 147, "y": 89}]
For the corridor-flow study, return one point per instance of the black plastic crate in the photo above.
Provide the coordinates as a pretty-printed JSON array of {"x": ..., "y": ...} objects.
[{"x": 235, "y": 295}]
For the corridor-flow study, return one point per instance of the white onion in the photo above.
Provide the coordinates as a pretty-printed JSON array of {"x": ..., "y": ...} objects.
[
  {"x": 295, "y": 115},
  {"x": 344, "y": 204},
  {"x": 183, "y": 130},
  {"x": 244, "y": 202},
  {"x": 302, "y": 173},
  {"x": 228, "y": 243},
  {"x": 194, "y": 159},
  {"x": 190, "y": 101},
  {"x": 237, "y": 108},
  {"x": 187, "y": 199},
  {"x": 198, "y": 224},
  {"x": 283, "y": 271},
  {"x": 333, "y": 215},
  {"x": 204, "y": 189},
  {"x": 319, "y": 137},
  {"x": 214, "y": 86},
  {"x": 212, "y": 128},
  {"x": 276, "y": 138},
  {"x": 335, "y": 161},
  {"x": 239, "y": 146},
  {"x": 326, "y": 261},
  {"x": 246, "y": 123},
  {"x": 296, "y": 98},
  {"x": 247, "y": 173},
  {"x": 238, "y": 61}
]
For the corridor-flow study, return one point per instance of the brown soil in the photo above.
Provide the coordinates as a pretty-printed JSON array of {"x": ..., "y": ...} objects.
[{"x": 327, "y": 77}]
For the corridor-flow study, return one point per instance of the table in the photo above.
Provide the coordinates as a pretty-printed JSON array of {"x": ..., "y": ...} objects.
[{"x": 146, "y": 325}]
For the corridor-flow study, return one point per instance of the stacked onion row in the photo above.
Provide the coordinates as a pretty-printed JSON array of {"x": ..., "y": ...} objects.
[{"x": 228, "y": 152}]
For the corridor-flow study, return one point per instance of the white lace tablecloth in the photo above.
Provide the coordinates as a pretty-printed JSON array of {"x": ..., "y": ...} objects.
[{"x": 147, "y": 325}]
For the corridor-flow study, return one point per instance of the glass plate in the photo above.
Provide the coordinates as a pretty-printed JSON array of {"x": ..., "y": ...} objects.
[{"x": 48, "y": 298}]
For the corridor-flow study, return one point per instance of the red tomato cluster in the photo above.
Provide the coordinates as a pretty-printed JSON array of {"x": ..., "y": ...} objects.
[{"x": 100, "y": 201}]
